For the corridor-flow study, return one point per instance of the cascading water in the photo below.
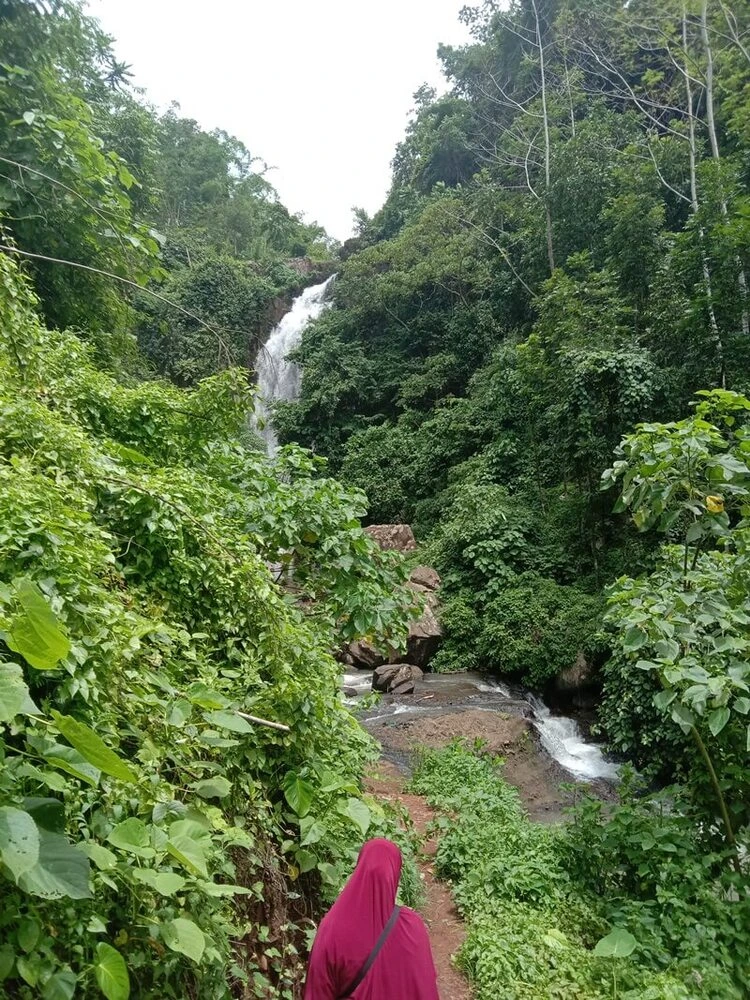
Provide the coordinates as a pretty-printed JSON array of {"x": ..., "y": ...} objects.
[
  {"x": 562, "y": 739},
  {"x": 560, "y": 736},
  {"x": 279, "y": 378}
]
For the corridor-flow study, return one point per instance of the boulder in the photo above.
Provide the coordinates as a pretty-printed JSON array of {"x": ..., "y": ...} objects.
[
  {"x": 425, "y": 636},
  {"x": 425, "y": 577},
  {"x": 349, "y": 692},
  {"x": 398, "y": 537},
  {"x": 581, "y": 676},
  {"x": 397, "y": 678},
  {"x": 364, "y": 656}
]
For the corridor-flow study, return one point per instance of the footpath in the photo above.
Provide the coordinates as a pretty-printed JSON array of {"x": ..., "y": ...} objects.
[{"x": 445, "y": 926}]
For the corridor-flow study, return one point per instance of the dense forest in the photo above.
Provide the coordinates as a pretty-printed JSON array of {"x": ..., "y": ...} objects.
[
  {"x": 562, "y": 256},
  {"x": 536, "y": 353}
]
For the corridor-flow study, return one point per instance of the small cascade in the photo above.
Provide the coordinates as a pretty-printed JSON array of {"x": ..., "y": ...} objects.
[
  {"x": 563, "y": 740},
  {"x": 279, "y": 378},
  {"x": 559, "y": 735}
]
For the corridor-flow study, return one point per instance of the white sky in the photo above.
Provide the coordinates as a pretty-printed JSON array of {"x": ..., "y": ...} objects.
[{"x": 320, "y": 89}]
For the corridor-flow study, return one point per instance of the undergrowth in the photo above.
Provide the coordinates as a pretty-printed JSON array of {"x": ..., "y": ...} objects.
[
  {"x": 155, "y": 839},
  {"x": 547, "y": 905}
]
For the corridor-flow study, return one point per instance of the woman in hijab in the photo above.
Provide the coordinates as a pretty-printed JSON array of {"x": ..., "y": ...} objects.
[{"x": 365, "y": 916}]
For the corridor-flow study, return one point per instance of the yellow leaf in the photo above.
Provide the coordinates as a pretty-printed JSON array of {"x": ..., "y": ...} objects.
[{"x": 715, "y": 505}]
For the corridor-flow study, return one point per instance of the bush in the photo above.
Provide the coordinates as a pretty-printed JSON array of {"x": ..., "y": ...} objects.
[
  {"x": 150, "y": 831},
  {"x": 538, "y": 898},
  {"x": 533, "y": 630}
]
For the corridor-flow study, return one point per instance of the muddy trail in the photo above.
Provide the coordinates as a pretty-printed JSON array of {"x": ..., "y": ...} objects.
[{"x": 445, "y": 925}]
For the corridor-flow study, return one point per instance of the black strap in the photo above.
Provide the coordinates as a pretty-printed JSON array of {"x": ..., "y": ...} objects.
[{"x": 373, "y": 954}]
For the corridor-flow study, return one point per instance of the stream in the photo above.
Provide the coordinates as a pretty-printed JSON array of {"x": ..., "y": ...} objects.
[{"x": 560, "y": 736}]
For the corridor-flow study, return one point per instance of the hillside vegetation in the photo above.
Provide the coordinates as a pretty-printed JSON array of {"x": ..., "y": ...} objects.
[
  {"x": 179, "y": 779},
  {"x": 562, "y": 256}
]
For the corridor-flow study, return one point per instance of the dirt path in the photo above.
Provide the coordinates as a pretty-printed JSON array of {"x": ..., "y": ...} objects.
[{"x": 445, "y": 926}]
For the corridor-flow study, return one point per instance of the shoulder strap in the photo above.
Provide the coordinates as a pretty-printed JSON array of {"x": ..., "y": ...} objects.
[{"x": 373, "y": 954}]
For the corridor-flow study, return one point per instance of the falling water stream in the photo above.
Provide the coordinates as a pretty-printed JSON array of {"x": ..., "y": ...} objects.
[
  {"x": 279, "y": 378},
  {"x": 560, "y": 736}
]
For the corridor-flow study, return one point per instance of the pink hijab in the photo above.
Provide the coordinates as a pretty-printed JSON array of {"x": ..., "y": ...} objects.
[{"x": 347, "y": 934}]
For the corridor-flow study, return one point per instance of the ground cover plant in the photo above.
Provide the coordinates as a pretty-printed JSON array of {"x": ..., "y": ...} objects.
[{"x": 614, "y": 903}]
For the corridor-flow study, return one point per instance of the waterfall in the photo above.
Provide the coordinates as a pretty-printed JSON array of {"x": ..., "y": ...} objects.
[
  {"x": 563, "y": 740},
  {"x": 278, "y": 378}
]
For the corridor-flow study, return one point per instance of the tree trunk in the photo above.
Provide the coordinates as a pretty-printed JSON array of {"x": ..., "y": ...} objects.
[
  {"x": 707, "y": 281},
  {"x": 547, "y": 141},
  {"x": 711, "y": 122}
]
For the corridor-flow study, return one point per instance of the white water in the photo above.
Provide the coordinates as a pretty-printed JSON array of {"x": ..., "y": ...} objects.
[
  {"x": 278, "y": 378},
  {"x": 563, "y": 740}
]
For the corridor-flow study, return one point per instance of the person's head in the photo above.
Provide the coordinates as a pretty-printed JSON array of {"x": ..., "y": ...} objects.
[{"x": 378, "y": 870}]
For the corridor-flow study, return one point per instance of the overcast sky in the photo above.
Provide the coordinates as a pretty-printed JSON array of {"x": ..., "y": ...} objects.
[{"x": 321, "y": 89}]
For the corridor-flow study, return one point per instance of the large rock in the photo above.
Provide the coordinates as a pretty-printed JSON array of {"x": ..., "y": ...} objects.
[
  {"x": 580, "y": 677},
  {"x": 396, "y": 678},
  {"x": 364, "y": 656},
  {"x": 393, "y": 536},
  {"x": 425, "y": 636},
  {"x": 425, "y": 577}
]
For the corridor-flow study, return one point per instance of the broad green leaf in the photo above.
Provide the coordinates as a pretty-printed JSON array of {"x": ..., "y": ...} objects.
[
  {"x": 69, "y": 760},
  {"x": 48, "y": 814},
  {"x": 103, "y": 858},
  {"x": 60, "y": 871},
  {"x": 14, "y": 694},
  {"x": 219, "y": 889},
  {"x": 185, "y": 937},
  {"x": 298, "y": 793},
  {"x": 60, "y": 986},
  {"x": 96, "y": 925},
  {"x": 312, "y": 831},
  {"x": 165, "y": 883},
  {"x": 683, "y": 716},
  {"x": 664, "y": 699},
  {"x": 132, "y": 836},
  {"x": 718, "y": 719},
  {"x": 163, "y": 809},
  {"x": 204, "y": 697},
  {"x": 667, "y": 649},
  {"x": 331, "y": 874},
  {"x": 619, "y": 943},
  {"x": 359, "y": 814},
  {"x": 330, "y": 782},
  {"x": 7, "y": 961},
  {"x": 742, "y": 705},
  {"x": 35, "y": 632},
  {"x": 188, "y": 843},
  {"x": 213, "y": 788},
  {"x": 111, "y": 972},
  {"x": 634, "y": 639},
  {"x": 228, "y": 720},
  {"x": 28, "y": 970},
  {"x": 29, "y": 933},
  {"x": 93, "y": 748},
  {"x": 306, "y": 860},
  {"x": 179, "y": 712},
  {"x": 19, "y": 840}
]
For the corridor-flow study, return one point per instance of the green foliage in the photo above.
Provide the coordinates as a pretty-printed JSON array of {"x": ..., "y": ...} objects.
[
  {"x": 549, "y": 908},
  {"x": 144, "y": 815},
  {"x": 534, "y": 630},
  {"x": 686, "y": 623}
]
